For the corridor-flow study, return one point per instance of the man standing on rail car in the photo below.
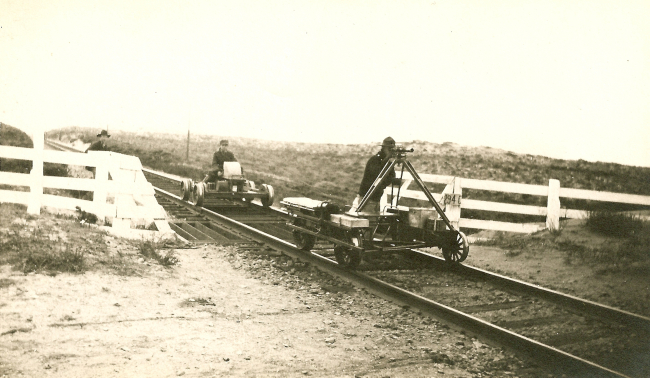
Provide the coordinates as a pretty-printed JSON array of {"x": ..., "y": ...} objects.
[
  {"x": 373, "y": 168},
  {"x": 221, "y": 156},
  {"x": 99, "y": 145}
]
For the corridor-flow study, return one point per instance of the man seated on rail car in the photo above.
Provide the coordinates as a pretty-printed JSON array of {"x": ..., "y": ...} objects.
[
  {"x": 221, "y": 156},
  {"x": 373, "y": 168},
  {"x": 99, "y": 145}
]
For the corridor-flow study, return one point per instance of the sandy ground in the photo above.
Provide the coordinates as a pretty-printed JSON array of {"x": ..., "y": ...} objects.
[
  {"x": 222, "y": 313},
  {"x": 226, "y": 312}
]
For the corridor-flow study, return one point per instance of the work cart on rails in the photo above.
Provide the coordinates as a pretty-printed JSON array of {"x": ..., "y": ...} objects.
[
  {"x": 230, "y": 184},
  {"x": 394, "y": 229}
]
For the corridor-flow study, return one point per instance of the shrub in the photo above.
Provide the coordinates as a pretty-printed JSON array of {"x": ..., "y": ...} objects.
[
  {"x": 637, "y": 247},
  {"x": 62, "y": 261},
  {"x": 149, "y": 248},
  {"x": 53, "y": 169},
  {"x": 616, "y": 224},
  {"x": 35, "y": 253}
]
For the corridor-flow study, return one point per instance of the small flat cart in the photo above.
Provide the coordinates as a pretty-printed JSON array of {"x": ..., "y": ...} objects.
[
  {"x": 231, "y": 185},
  {"x": 395, "y": 229}
]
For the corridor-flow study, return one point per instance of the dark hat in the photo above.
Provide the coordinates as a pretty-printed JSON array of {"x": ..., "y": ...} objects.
[
  {"x": 104, "y": 133},
  {"x": 223, "y": 142},
  {"x": 390, "y": 142}
]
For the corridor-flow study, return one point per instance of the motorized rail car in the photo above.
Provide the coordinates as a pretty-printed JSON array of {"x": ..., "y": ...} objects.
[
  {"x": 395, "y": 229},
  {"x": 231, "y": 184}
]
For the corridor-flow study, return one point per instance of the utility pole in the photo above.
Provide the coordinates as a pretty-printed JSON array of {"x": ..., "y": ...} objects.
[{"x": 187, "y": 152}]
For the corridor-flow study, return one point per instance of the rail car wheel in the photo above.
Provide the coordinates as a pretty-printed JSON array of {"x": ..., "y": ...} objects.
[
  {"x": 269, "y": 195},
  {"x": 348, "y": 257},
  {"x": 198, "y": 194},
  {"x": 457, "y": 251},
  {"x": 303, "y": 240},
  {"x": 186, "y": 189}
]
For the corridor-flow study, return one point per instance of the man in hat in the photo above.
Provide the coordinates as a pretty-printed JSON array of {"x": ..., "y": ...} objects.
[
  {"x": 373, "y": 167},
  {"x": 221, "y": 156},
  {"x": 99, "y": 145}
]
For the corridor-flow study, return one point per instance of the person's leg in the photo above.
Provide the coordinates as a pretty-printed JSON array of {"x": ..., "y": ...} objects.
[
  {"x": 372, "y": 207},
  {"x": 211, "y": 176}
]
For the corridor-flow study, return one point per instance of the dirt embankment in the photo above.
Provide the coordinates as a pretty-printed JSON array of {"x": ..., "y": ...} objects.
[
  {"x": 221, "y": 311},
  {"x": 218, "y": 312}
]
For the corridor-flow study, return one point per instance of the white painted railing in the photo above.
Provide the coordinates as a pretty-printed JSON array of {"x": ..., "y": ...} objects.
[
  {"x": 134, "y": 196},
  {"x": 117, "y": 176},
  {"x": 452, "y": 202}
]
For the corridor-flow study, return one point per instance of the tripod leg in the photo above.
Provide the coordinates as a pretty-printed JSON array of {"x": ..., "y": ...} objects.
[
  {"x": 428, "y": 194},
  {"x": 375, "y": 185}
]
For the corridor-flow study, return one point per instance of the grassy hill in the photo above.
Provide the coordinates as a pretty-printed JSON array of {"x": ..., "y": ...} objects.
[
  {"x": 11, "y": 136},
  {"x": 333, "y": 171}
]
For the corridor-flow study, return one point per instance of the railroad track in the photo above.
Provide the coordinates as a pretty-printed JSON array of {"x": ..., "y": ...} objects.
[{"x": 571, "y": 335}]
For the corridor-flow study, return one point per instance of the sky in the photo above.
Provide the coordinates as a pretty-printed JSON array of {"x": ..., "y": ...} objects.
[{"x": 567, "y": 79}]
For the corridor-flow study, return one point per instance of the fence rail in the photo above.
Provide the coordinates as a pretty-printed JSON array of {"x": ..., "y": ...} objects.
[
  {"x": 117, "y": 177},
  {"x": 133, "y": 194},
  {"x": 553, "y": 192}
]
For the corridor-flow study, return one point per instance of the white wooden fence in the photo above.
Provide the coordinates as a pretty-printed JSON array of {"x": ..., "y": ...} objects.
[
  {"x": 117, "y": 176},
  {"x": 134, "y": 196},
  {"x": 452, "y": 202}
]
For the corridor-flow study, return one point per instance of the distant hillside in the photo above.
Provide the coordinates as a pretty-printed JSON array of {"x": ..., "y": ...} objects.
[
  {"x": 11, "y": 136},
  {"x": 330, "y": 171}
]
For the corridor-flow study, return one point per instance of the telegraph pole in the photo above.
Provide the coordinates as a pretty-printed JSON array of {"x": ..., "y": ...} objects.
[{"x": 187, "y": 152}]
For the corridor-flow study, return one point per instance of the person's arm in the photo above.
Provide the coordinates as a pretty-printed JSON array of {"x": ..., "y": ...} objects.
[
  {"x": 366, "y": 181},
  {"x": 92, "y": 147}
]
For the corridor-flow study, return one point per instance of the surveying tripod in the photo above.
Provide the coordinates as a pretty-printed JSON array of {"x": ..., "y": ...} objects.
[{"x": 399, "y": 157}]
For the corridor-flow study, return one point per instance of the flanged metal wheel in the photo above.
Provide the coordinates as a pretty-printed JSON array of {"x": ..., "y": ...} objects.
[
  {"x": 269, "y": 197},
  {"x": 348, "y": 257},
  {"x": 457, "y": 251},
  {"x": 186, "y": 189},
  {"x": 198, "y": 194},
  {"x": 303, "y": 240}
]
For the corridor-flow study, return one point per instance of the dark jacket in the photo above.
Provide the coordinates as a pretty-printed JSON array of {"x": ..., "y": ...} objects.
[
  {"x": 220, "y": 157},
  {"x": 373, "y": 167},
  {"x": 98, "y": 146}
]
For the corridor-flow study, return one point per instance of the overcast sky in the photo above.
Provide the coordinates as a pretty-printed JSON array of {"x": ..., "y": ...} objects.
[{"x": 566, "y": 79}]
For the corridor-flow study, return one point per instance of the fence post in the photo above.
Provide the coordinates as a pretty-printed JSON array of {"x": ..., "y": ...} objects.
[
  {"x": 553, "y": 205},
  {"x": 453, "y": 209},
  {"x": 101, "y": 182},
  {"x": 36, "y": 188}
]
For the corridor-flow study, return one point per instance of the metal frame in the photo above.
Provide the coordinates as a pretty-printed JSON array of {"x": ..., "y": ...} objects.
[{"x": 390, "y": 164}]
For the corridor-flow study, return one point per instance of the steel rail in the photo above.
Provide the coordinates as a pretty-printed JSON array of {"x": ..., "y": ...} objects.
[
  {"x": 585, "y": 306},
  {"x": 554, "y": 358},
  {"x": 640, "y": 322},
  {"x": 61, "y": 146}
]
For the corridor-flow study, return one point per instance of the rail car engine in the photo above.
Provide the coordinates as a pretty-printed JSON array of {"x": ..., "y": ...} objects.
[
  {"x": 395, "y": 229},
  {"x": 229, "y": 185}
]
